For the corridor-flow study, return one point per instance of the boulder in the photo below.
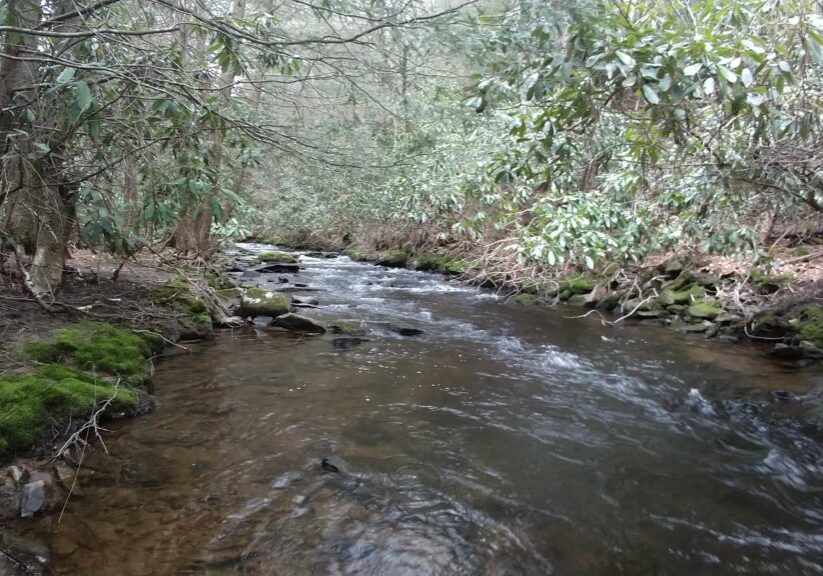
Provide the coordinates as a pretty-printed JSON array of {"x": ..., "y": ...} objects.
[
  {"x": 275, "y": 256},
  {"x": 262, "y": 302},
  {"x": 298, "y": 323}
]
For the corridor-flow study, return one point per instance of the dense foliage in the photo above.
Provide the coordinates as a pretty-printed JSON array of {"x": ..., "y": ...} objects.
[{"x": 595, "y": 131}]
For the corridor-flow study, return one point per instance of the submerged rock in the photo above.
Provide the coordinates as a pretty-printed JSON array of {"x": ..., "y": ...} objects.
[
  {"x": 32, "y": 498},
  {"x": 274, "y": 269},
  {"x": 404, "y": 330},
  {"x": 347, "y": 342},
  {"x": 345, "y": 327},
  {"x": 298, "y": 323}
]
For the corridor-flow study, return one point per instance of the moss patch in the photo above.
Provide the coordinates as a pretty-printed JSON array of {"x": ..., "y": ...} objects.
[
  {"x": 809, "y": 324},
  {"x": 438, "y": 263},
  {"x": 95, "y": 347},
  {"x": 577, "y": 285},
  {"x": 396, "y": 258},
  {"x": 688, "y": 295},
  {"x": 28, "y": 402},
  {"x": 275, "y": 256},
  {"x": 177, "y": 294},
  {"x": 523, "y": 299},
  {"x": 704, "y": 309}
]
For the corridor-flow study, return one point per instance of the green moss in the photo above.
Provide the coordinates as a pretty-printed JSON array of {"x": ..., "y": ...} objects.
[
  {"x": 28, "y": 402},
  {"x": 577, "y": 299},
  {"x": 177, "y": 294},
  {"x": 95, "y": 347},
  {"x": 523, "y": 299},
  {"x": 801, "y": 251},
  {"x": 704, "y": 309},
  {"x": 438, "y": 263},
  {"x": 809, "y": 324},
  {"x": 688, "y": 295},
  {"x": 262, "y": 302},
  {"x": 275, "y": 256},
  {"x": 760, "y": 277},
  {"x": 393, "y": 258},
  {"x": 577, "y": 285}
]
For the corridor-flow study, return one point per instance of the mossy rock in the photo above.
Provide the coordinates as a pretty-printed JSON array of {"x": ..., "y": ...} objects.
[
  {"x": 666, "y": 297},
  {"x": 178, "y": 295},
  {"x": 704, "y": 309},
  {"x": 523, "y": 299},
  {"x": 683, "y": 279},
  {"x": 230, "y": 297},
  {"x": 197, "y": 327},
  {"x": 393, "y": 258},
  {"x": 30, "y": 402},
  {"x": 564, "y": 295},
  {"x": 97, "y": 347},
  {"x": 262, "y": 302},
  {"x": 272, "y": 256},
  {"x": 688, "y": 295},
  {"x": 577, "y": 299},
  {"x": 346, "y": 327},
  {"x": 438, "y": 263},
  {"x": 577, "y": 285},
  {"x": 809, "y": 324}
]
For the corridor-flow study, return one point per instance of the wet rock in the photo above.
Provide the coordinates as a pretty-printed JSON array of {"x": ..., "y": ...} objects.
[
  {"x": 32, "y": 498},
  {"x": 230, "y": 322},
  {"x": 685, "y": 328},
  {"x": 274, "y": 269},
  {"x": 298, "y": 323},
  {"x": 594, "y": 297},
  {"x": 727, "y": 318},
  {"x": 404, "y": 330},
  {"x": 348, "y": 342},
  {"x": 784, "y": 351},
  {"x": 783, "y": 396},
  {"x": 304, "y": 301}
]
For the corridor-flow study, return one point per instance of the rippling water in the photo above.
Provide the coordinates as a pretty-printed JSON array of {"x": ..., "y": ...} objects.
[{"x": 504, "y": 440}]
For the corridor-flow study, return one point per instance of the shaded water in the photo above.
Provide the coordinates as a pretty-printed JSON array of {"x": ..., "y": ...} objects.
[{"x": 504, "y": 440}]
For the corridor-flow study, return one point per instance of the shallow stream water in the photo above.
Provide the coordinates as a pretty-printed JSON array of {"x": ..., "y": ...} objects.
[{"x": 504, "y": 440}]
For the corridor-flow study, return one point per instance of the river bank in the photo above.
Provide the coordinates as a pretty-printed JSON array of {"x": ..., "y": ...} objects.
[{"x": 714, "y": 297}]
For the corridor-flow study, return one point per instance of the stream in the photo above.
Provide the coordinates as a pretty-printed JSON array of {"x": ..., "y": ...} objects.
[{"x": 503, "y": 440}]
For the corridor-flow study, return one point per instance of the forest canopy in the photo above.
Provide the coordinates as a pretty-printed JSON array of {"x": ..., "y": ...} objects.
[{"x": 557, "y": 134}]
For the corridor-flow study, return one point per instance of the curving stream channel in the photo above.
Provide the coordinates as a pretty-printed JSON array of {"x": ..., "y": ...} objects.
[{"x": 504, "y": 440}]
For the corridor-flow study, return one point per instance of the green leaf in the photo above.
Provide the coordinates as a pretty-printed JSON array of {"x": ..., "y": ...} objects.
[
  {"x": 727, "y": 74},
  {"x": 692, "y": 69},
  {"x": 746, "y": 77},
  {"x": 65, "y": 76},
  {"x": 708, "y": 86},
  {"x": 625, "y": 58},
  {"x": 83, "y": 96},
  {"x": 650, "y": 94}
]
